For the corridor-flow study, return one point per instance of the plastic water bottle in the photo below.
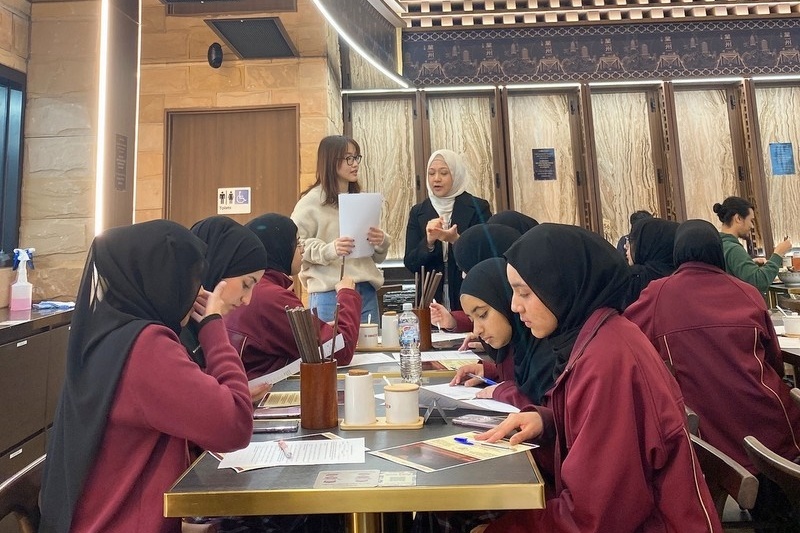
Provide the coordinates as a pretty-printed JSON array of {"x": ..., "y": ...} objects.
[{"x": 410, "y": 358}]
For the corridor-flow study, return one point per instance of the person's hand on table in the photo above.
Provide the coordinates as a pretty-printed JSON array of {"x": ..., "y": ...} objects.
[
  {"x": 528, "y": 423},
  {"x": 486, "y": 392},
  {"x": 462, "y": 375},
  {"x": 441, "y": 317},
  {"x": 257, "y": 392}
]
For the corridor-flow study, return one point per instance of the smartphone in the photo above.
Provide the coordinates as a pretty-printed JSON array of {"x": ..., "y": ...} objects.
[
  {"x": 271, "y": 426},
  {"x": 260, "y": 413},
  {"x": 478, "y": 421}
]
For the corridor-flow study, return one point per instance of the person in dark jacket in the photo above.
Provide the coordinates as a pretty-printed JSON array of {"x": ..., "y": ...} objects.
[{"x": 435, "y": 224}]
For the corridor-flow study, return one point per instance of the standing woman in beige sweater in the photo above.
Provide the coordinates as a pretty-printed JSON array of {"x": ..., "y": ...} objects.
[{"x": 317, "y": 217}]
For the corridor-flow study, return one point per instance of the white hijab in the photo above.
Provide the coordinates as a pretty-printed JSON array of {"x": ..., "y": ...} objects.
[{"x": 444, "y": 205}]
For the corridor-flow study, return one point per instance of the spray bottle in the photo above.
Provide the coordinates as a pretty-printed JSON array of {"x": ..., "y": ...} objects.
[{"x": 21, "y": 290}]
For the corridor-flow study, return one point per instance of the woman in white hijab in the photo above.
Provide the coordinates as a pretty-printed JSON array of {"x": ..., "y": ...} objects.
[{"x": 435, "y": 224}]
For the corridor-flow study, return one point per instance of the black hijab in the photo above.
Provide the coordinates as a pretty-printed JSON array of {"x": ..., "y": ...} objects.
[
  {"x": 232, "y": 250},
  {"x": 482, "y": 241},
  {"x": 513, "y": 219},
  {"x": 278, "y": 234},
  {"x": 651, "y": 241},
  {"x": 698, "y": 240},
  {"x": 147, "y": 273},
  {"x": 573, "y": 272},
  {"x": 533, "y": 358}
]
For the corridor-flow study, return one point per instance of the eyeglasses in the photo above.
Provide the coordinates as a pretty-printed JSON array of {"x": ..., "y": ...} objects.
[{"x": 352, "y": 159}]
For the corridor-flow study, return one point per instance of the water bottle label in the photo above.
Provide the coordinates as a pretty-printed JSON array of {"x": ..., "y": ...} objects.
[{"x": 409, "y": 335}]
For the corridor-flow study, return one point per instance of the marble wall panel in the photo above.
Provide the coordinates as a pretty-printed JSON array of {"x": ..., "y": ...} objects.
[
  {"x": 779, "y": 123},
  {"x": 542, "y": 121},
  {"x": 68, "y": 114},
  {"x": 384, "y": 130},
  {"x": 463, "y": 125},
  {"x": 704, "y": 138},
  {"x": 52, "y": 157},
  {"x": 66, "y": 236},
  {"x": 51, "y": 198},
  {"x": 624, "y": 159}
]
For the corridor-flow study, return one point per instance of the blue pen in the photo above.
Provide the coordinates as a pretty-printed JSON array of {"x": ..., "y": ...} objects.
[
  {"x": 463, "y": 440},
  {"x": 485, "y": 380}
]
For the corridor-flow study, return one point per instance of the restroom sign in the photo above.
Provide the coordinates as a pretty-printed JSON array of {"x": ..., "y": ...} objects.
[{"x": 233, "y": 201}]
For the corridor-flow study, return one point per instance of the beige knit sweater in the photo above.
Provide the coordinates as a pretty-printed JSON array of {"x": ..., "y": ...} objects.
[{"x": 317, "y": 228}]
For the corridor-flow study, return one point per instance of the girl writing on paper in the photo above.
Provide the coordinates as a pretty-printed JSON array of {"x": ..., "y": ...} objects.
[
  {"x": 261, "y": 331},
  {"x": 325, "y": 252},
  {"x": 524, "y": 366},
  {"x": 132, "y": 397},
  {"x": 436, "y": 223},
  {"x": 612, "y": 429}
]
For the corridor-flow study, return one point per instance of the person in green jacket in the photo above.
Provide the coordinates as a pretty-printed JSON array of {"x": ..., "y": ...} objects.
[{"x": 737, "y": 216}]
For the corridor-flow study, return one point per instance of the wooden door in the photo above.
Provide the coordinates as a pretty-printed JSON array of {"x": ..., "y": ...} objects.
[
  {"x": 384, "y": 129},
  {"x": 626, "y": 170},
  {"x": 707, "y": 156},
  {"x": 779, "y": 127},
  {"x": 538, "y": 122},
  {"x": 256, "y": 148}
]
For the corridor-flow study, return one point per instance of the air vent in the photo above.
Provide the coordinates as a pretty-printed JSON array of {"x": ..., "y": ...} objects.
[{"x": 254, "y": 38}]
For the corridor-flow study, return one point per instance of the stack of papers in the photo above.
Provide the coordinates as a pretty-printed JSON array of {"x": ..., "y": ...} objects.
[
  {"x": 300, "y": 452},
  {"x": 460, "y": 397}
]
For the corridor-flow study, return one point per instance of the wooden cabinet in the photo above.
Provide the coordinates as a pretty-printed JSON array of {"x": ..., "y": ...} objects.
[{"x": 32, "y": 369}]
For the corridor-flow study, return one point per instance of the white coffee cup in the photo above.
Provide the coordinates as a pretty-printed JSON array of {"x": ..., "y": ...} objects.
[
  {"x": 359, "y": 398},
  {"x": 791, "y": 325},
  {"x": 402, "y": 403},
  {"x": 368, "y": 336},
  {"x": 389, "y": 334}
]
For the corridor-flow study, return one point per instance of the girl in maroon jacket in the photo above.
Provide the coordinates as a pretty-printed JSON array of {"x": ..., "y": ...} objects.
[
  {"x": 132, "y": 397},
  {"x": 612, "y": 428},
  {"x": 261, "y": 331}
]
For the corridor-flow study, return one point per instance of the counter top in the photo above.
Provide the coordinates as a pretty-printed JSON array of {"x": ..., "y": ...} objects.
[{"x": 21, "y": 324}]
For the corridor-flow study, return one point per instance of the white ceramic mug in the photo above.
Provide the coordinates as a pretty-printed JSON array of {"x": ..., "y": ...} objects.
[
  {"x": 791, "y": 325},
  {"x": 402, "y": 403},
  {"x": 368, "y": 336},
  {"x": 389, "y": 333},
  {"x": 359, "y": 398}
]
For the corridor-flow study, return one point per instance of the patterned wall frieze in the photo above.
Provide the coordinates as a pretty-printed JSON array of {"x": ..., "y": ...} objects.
[{"x": 602, "y": 52}]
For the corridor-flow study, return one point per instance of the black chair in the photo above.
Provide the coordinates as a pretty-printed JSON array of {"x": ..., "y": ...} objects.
[
  {"x": 782, "y": 471},
  {"x": 725, "y": 477},
  {"x": 20, "y": 495}
]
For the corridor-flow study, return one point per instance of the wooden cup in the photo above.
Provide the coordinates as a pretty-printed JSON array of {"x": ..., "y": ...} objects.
[
  {"x": 318, "y": 405},
  {"x": 424, "y": 317}
]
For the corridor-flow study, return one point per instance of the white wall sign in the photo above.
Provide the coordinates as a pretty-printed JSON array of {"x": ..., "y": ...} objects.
[{"x": 233, "y": 201}]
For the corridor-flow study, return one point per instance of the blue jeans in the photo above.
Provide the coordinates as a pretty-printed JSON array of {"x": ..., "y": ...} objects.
[{"x": 325, "y": 303}]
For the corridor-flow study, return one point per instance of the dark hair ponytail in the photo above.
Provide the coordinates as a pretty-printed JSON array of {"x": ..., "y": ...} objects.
[{"x": 733, "y": 205}]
